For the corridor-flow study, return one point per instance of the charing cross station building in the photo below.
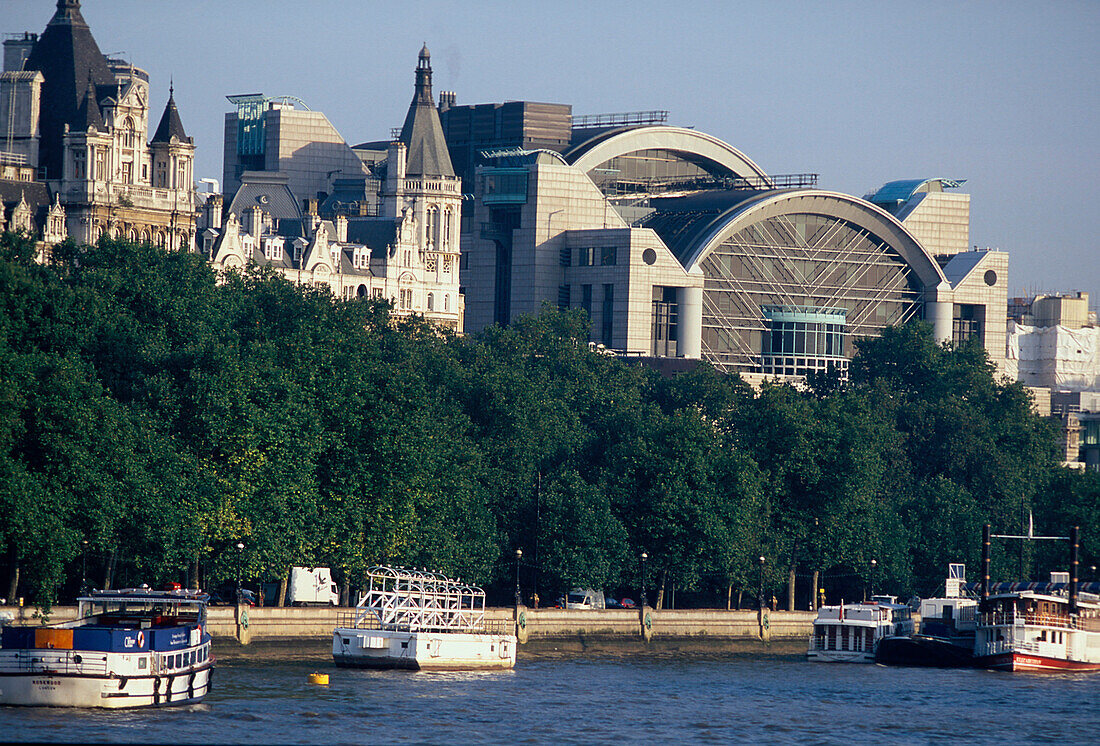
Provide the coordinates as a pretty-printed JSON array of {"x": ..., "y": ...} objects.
[{"x": 677, "y": 245}]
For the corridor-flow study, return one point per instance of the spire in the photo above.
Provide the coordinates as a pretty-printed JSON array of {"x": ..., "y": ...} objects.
[
  {"x": 170, "y": 123},
  {"x": 422, "y": 133}
]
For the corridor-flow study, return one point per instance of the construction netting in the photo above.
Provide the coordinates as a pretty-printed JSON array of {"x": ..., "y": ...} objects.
[{"x": 1054, "y": 356}]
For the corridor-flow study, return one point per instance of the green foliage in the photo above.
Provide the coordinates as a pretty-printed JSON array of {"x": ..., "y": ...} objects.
[{"x": 163, "y": 415}]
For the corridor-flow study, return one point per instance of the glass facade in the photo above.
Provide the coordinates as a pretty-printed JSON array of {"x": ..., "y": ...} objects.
[{"x": 829, "y": 278}]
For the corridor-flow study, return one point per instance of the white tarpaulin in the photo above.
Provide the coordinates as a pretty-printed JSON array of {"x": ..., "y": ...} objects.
[{"x": 1054, "y": 356}]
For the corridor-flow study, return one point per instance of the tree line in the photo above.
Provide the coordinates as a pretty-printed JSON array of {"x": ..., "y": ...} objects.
[{"x": 155, "y": 417}]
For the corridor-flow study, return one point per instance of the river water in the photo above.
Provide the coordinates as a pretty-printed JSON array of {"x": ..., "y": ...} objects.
[{"x": 723, "y": 699}]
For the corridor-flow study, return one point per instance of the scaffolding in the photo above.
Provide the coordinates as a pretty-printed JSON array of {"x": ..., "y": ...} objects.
[{"x": 404, "y": 600}]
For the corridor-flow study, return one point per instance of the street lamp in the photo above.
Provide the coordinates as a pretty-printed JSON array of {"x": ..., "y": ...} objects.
[
  {"x": 240, "y": 552},
  {"x": 644, "y": 557},
  {"x": 761, "y": 597},
  {"x": 874, "y": 564},
  {"x": 83, "y": 567},
  {"x": 519, "y": 596}
]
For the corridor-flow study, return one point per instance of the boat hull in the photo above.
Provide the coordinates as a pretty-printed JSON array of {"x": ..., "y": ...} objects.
[
  {"x": 840, "y": 656},
  {"x": 925, "y": 651},
  {"x": 1026, "y": 661},
  {"x": 41, "y": 689},
  {"x": 420, "y": 651}
]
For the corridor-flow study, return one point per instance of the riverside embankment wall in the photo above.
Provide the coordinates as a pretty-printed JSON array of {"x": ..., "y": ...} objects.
[{"x": 248, "y": 624}]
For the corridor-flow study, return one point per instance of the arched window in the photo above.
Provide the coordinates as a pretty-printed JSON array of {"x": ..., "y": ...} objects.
[
  {"x": 128, "y": 133},
  {"x": 447, "y": 214},
  {"x": 431, "y": 302},
  {"x": 432, "y": 226},
  {"x": 361, "y": 291}
]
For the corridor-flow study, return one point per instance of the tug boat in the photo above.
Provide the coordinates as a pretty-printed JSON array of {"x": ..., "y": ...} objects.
[
  {"x": 946, "y": 635},
  {"x": 851, "y": 633},
  {"x": 421, "y": 620},
  {"x": 126, "y": 648}
]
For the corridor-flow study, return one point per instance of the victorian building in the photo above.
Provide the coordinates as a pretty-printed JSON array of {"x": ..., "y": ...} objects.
[
  {"x": 78, "y": 122},
  {"x": 392, "y": 234}
]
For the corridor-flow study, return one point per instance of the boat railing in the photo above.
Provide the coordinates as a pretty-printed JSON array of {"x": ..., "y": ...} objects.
[
  {"x": 1012, "y": 618},
  {"x": 360, "y": 620},
  {"x": 66, "y": 662},
  {"x": 997, "y": 647}
]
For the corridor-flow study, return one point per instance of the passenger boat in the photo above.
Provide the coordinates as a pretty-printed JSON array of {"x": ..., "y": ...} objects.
[
  {"x": 946, "y": 635},
  {"x": 851, "y": 632},
  {"x": 126, "y": 648},
  {"x": 1036, "y": 631},
  {"x": 421, "y": 620}
]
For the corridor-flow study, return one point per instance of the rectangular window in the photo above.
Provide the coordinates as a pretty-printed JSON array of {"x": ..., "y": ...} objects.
[
  {"x": 563, "y": 296},
  {"x": 586, "y": 256},
  {"x": 608, "y": 255}
]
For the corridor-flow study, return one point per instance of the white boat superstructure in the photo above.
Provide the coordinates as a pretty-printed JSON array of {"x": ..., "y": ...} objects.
[
  {"x": 851, "y": 632},
  {"x": 421, "y": 620},
  {"x": 1033, "y": 631},
  {"x": 127, "y": 648}
]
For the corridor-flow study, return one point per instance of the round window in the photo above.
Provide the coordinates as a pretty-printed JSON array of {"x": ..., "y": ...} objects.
[
  {"x": 990, "y": 278},
  {"x": 649, "y": 256}
]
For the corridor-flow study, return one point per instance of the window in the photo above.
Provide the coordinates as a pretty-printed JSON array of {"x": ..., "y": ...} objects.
[
  {"x": 431, "y": 302},
  {"x": 447, "y": 302},
  {"x": 447, "y": 216},
  {"x": 430, "y": 264},
  {"x": 446, "y": 265},
  {"x": 586, "y": 299},
  {"x": 586, "y": 256},
  {"x": 80, "y": 164},
  {"x": 608, "y": 255},
  {"x": 606, "y": 316},
  {"x": 406, "y": 299},
  {"x": 432, "y": 228},
  {"x": 144, "y": 173}
]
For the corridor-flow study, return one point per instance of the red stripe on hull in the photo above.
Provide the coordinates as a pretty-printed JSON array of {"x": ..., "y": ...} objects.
[{"x": 1033, "y": 663}]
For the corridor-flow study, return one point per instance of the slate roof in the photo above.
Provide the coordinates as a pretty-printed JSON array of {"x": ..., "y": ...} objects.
[
  {"x": 170, "y": 124},
  {"x": 377, "y": 234},
  {"x": 68, "y": 57},
  {"x": 269, "y": 191},
  {"x": 422, "y": 132},
  {"x": 36, "y": 193}
]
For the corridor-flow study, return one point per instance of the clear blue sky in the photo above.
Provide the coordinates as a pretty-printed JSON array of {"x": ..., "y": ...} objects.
[{"x": 1003, "y": 94}]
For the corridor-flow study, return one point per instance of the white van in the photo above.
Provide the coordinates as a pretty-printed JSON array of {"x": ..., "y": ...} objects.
[
  {"x": 312, "y": 586},
  {"x": 585, "y": 598}
]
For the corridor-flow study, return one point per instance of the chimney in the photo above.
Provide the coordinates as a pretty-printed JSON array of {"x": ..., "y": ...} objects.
[
  {"x": 256, "y": 222},
  {"x": 342, "y": 228},
  {"x": 310, "y": 205},
  {"x": 212, "y": 211},
  {"x": 446, "y": 100}
]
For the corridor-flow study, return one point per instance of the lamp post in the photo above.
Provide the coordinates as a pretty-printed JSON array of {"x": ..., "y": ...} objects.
[
  {"x": 644, "y": 557},
  {"x": 519, "y": 596},
  {"x": 240, "y": 553},
  {"x": 760, "y": 599},
  {"x": 83, "y": 567},
  {"x": 874, "y": 564}
]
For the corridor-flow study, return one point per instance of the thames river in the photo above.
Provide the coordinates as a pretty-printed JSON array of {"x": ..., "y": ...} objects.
[{"x": 725, "y": 699}]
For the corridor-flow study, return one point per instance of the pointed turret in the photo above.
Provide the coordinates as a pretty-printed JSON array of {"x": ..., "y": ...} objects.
[
  {"x": 88, "y": 116},
  {"x": 68, "y": 57},
  {"x": 422, "y": 132},
  {"x": 170, "y": 124}
]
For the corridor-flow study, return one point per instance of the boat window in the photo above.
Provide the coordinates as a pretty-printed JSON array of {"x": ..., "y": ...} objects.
[{"x": 141, "y": 662}]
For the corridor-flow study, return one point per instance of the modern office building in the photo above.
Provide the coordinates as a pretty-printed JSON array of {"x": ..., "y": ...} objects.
[
  {"x": 78, "y": 122},
  {"x": 678, "y": 245}
]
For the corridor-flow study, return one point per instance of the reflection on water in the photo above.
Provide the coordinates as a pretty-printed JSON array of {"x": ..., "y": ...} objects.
[{"x": 736, "y": 699}]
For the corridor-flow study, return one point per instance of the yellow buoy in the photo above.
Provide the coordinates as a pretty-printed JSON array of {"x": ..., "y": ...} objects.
[{"x": 319, "y": 678}]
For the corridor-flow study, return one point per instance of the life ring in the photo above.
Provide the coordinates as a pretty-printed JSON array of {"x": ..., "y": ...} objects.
[{"x": 141, "y": 639}]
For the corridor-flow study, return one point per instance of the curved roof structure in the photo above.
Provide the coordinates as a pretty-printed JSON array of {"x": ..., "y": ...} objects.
[
  {"x": 693, "y": 225},
  {"x": 894, "y": 192},
  {"x": 708, "y": 152}
]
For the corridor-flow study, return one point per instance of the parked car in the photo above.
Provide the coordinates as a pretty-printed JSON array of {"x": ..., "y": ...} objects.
[
  {"x": 585, "y": 598},
  {"x": 627, "y": 603}
]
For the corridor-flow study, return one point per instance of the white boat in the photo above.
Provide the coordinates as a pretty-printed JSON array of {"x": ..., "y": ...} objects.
[
  {"x": 850, "y": 632},
  {"x": 126, "y": 648},
  {"x": 1036, "y": 630},
  {"x": 421, "y": 620}
]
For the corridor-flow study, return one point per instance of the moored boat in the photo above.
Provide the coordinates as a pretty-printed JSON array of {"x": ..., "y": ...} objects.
[
  {"x": 946, "y": 635},
  {"x": 851, "y": 633},
  {"x": 126, "y": 648},
  {"x": 420, "y": 620}
]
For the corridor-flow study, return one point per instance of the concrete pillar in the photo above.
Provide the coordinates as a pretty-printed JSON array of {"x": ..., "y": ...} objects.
[
  {"x": 691, "y": 323},
  {"x": 940, "y": 311},
  {"x": 520, "y": 618},
  {"x": 244, "y": 635}
]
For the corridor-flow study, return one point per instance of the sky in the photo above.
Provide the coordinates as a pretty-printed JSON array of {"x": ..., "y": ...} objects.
[{"x": 1003, "y": 94}]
